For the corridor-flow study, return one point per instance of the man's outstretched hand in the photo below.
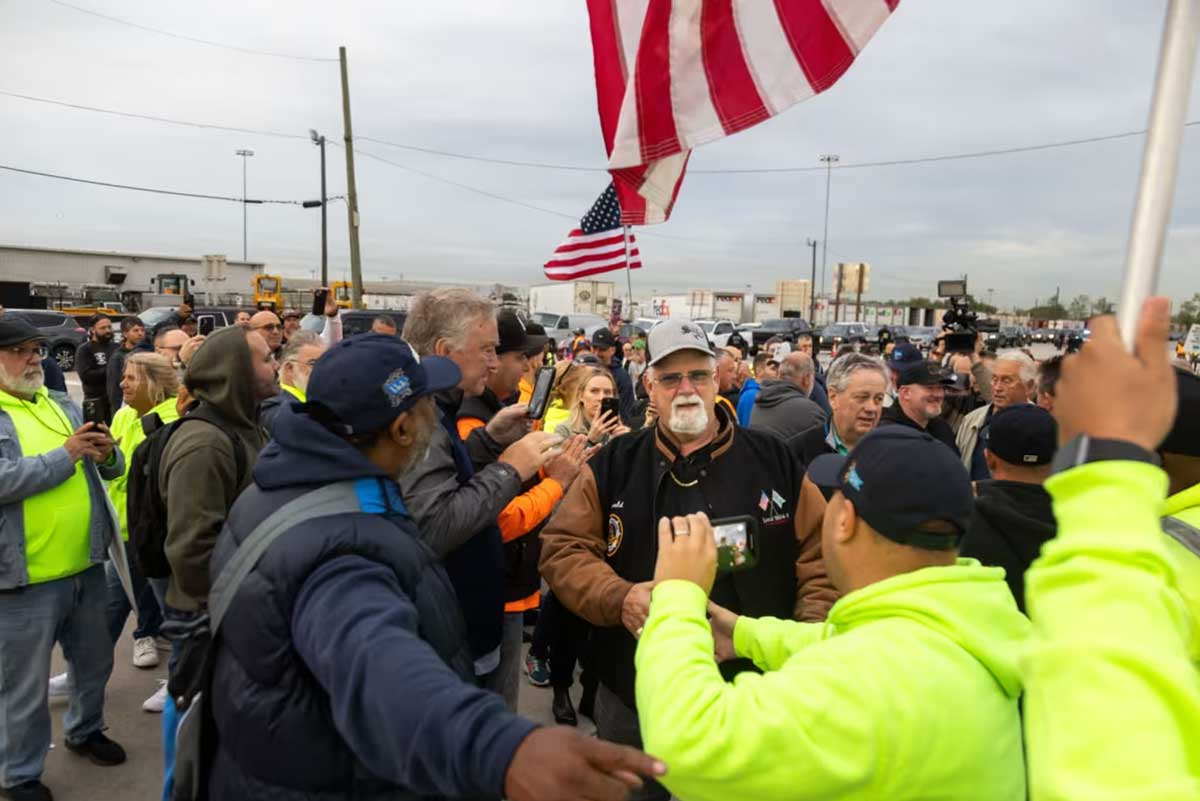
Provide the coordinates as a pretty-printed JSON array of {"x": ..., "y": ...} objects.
[
  {"x": 1107, "y": 392},
  {"x": 560, "y": 764}
]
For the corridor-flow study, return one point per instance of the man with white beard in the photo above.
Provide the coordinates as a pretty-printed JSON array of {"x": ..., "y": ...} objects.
[
  {"x": 599, "y": 549},
  {"x": 55, "y": 526}
]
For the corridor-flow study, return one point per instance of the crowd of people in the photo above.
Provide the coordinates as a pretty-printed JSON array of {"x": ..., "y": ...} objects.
[{"x": 953, "y": 574}]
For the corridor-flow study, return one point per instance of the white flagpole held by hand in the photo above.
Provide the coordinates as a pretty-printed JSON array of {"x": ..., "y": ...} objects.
[{"x": 1160, "y": 162}]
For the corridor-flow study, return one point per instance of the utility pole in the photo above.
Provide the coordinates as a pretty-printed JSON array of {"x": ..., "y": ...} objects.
[
  {"x": 829, "y": 160},
  {"x": 812, "y": 284},
  {"x": 356, "y": 288},
  {"x": 245, "y": 154},
  {"x": 320, "y": 141},
  {"x": 837, "y": 297},
  {"x": 858, "y": 300}
]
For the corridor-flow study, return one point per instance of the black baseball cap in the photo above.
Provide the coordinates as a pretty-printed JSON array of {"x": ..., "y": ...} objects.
[
  {"x": 512, "y": 332},
  {"x": 365, "y": 382},
  {"x": 925, "y": 373},
  {"x": 899, "y": 479},
  {"x": 1184, "y": 438},
  {"x": 1024, "y": 435},
  {"x": 15, "y": 331},
  {"x": 603, "y": 338},
  {"x": 535, "y": 339}
]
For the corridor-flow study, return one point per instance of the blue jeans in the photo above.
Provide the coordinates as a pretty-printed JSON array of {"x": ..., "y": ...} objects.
[
  {"x": 149, "y": 616},
  {"x": 68, "y": 611}
]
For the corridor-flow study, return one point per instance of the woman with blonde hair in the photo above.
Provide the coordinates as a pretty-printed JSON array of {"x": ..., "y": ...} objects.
[
  {"x": 149, "y": 386},
  {"x": 589, "y": 389}
]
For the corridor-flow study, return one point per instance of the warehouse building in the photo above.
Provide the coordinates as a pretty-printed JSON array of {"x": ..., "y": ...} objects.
[{"x": 125, "y": 272}]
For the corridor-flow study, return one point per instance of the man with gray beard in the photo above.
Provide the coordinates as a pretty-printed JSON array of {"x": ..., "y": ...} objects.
[
  {"x": 55, "y": 526},
  {"x": 599, "y": 549}
]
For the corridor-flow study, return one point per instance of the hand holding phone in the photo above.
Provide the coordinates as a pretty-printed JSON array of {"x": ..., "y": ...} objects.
[
  {"x": 320, "y": 298},
  {"x": 540, "y": 399}
]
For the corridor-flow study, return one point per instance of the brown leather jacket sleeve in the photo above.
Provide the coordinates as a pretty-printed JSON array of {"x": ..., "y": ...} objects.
[
  {"x": 574, "y": 542},
  {"x": 814, "y": 592}
]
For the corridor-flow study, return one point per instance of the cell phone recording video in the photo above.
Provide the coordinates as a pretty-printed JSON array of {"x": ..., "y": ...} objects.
[
  {"x": 92, "y": 413},
  {"x": 737, "y": 545},
  {"x": 320, "y": 298},
  {"x": 541, "y": 393},
  {"x": 612, "y": 405}
]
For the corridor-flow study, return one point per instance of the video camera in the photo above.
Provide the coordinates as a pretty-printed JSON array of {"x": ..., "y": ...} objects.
[{"x": 960, "y": 323}]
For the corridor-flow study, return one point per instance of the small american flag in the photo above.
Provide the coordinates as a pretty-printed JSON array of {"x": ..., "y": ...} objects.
[{"x": 596, "y": 246}]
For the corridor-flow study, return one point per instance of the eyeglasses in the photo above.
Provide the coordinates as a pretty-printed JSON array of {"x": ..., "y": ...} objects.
[
  {"x": 26, "y": 352},
  {"x": 698, "y": 378},
  {"x": 268, "y": 327}
]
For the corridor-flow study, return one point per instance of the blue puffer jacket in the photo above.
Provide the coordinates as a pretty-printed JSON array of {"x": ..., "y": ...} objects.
[{"x": 342, "y": 669}]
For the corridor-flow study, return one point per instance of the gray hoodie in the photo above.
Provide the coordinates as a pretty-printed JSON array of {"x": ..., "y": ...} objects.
[{"x": 783, "y": 409}]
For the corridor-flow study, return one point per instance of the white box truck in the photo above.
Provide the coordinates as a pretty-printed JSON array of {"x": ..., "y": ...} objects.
[{"x": 569, "y": 297}]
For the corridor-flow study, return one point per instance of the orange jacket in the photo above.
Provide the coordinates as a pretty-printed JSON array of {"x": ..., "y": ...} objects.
[{"x": 523, "y": 514}]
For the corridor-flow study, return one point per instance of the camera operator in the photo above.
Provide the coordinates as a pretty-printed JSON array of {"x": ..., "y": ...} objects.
[{"x": 599, "y": 549}]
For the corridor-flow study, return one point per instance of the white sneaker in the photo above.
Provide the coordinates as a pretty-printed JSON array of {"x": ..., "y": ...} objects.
[
  {"x": 156, "y": 702},
  {"x": 60, "y": 687},
  {"x": 145, "y": 654}
]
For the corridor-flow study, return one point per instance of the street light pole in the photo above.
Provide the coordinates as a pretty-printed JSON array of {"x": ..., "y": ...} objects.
[
  {"x": 320, "y": 141},
  {"x": 245, "y": 154},
  {"x": 828, "y": 160},
  {"x": 812, "y": 284}
]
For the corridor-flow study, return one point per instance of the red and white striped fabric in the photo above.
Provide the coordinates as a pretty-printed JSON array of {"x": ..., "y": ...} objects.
[
  {"x": 672, "y": 75},
  {"x": 583, "y": 254}
]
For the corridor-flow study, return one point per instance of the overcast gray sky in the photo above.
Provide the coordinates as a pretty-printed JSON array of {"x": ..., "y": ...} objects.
[{"x": 514, "y": 80}]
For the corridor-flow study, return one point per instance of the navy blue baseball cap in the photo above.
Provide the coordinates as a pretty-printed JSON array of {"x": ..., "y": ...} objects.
[
  {"x": 365, "y": 382},
  {"x": 905, "y": 354},
  {"x": 1024, "y": 435},
  {"x": 900, "y": 480}
]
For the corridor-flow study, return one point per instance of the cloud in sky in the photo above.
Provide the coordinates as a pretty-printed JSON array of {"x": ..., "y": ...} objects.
[{"x": 514, "y": 81}]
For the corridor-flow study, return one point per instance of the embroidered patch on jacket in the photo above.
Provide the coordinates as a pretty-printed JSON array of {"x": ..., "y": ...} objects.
[{"x": 616, "y": 533}]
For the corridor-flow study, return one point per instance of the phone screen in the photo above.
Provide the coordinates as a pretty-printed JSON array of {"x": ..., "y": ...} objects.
[
  {"x": 319, "y": 298},
  {"x": 92, "y": 412},
  {"x": 736, "y": 549},
  {"x": 541, "y": 393},
  {"x": 611, "y": 405}
]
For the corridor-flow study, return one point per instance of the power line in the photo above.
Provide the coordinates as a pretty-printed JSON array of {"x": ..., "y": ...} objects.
[
  {"x": 152, "y": 118},
  {"x": 156, "y": 191},
  {"x": 192, "y": 39},
  {"x": 580, "y": 168}
]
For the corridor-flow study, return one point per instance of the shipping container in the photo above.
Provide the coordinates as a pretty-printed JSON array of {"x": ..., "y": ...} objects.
[{"x": 795, "y": 297}]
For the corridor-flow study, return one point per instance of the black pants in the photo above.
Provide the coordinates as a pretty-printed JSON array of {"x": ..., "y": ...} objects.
[
  {"x": 567, "y": 638},
  {"x": 617, "y": 723}
]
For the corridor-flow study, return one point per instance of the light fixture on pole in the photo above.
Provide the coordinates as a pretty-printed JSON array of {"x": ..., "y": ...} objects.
[
  {"x": 828, "y": 160},
  {"x": 320, "y": 142},
  {"x": 245, "y": 154}
]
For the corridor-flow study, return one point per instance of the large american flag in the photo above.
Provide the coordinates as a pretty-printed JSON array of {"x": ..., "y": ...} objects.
[
  {"x": 675, "y": 74},
  {"x": 597, "y": 245}
]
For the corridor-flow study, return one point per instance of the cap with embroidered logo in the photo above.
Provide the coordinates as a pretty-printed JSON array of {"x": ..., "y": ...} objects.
[
  {"x": 365, "y": 382},
  {"x": 900, "y": 481}
]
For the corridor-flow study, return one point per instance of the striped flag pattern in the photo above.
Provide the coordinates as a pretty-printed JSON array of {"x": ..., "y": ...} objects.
[
  {"x": 597, "y": 245},
  {"x": 672, "y": 75}
]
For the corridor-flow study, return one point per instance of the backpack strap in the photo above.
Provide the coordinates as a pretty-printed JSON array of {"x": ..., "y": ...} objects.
[
  {"x": 334, "y": 499},
  {"x": 1185, "y": 534}
]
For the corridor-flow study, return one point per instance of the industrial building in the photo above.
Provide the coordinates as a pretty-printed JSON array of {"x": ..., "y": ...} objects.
[{"x": 125, "y": 272}]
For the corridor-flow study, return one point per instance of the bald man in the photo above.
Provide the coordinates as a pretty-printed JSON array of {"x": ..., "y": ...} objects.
[
  {"x": 168, "y": 344},
  {"x": 783, "y": 406},
  {"x": 267, "y": 324}
]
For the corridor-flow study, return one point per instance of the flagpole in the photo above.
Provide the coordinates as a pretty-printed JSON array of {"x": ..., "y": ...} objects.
[
  {"x": 1160, "y": 162},
  {"x": 628, "y": 275}
]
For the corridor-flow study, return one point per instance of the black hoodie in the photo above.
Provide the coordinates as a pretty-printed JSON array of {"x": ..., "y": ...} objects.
[{"x": 1010, "y": 523}]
